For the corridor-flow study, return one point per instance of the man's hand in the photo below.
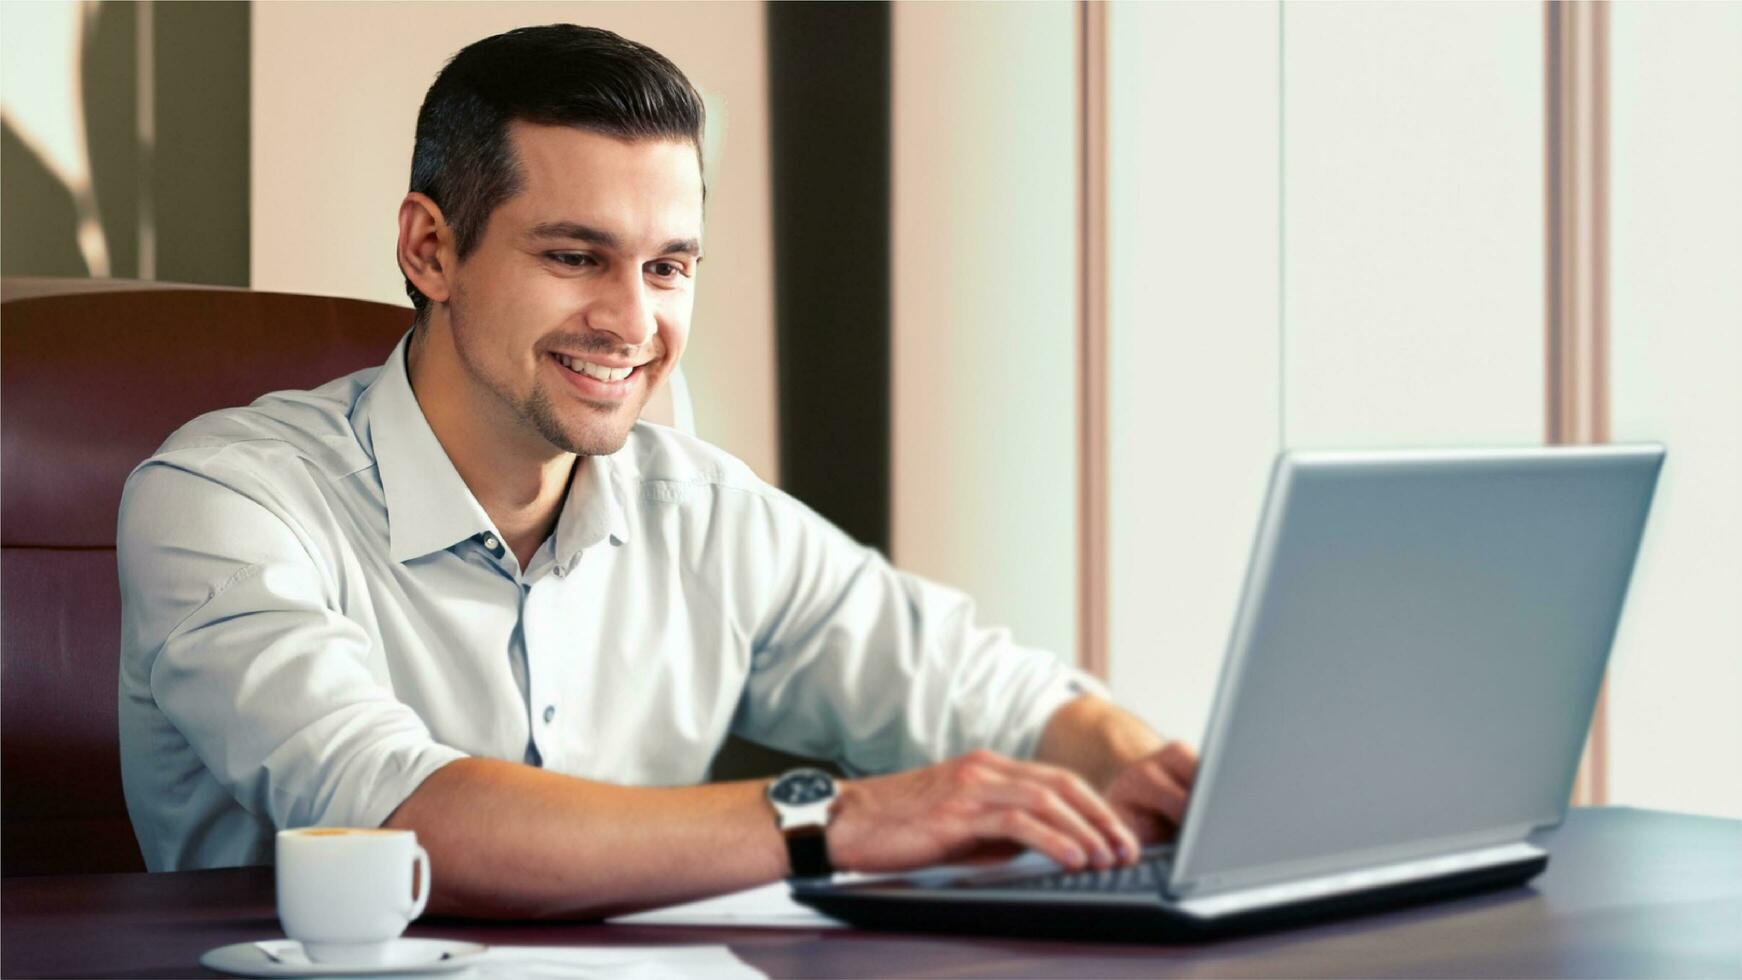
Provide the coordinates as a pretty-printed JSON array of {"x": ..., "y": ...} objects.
[
  {"x": 1150, "y": 794},
  {"x": 979, "y": 805},
  {"x": 1145, "y": 777}
]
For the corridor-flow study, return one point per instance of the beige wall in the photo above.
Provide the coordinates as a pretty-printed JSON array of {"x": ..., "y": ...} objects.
[
  {"x": 1676, "y": 352},
  {"x": 1327, "y": 232},
  {"x": 984, "y": 280},
  {"x": 336, "y": 89},
  {"x": 1412, "y": 224},
  {"x": 1193, "y": 294}
]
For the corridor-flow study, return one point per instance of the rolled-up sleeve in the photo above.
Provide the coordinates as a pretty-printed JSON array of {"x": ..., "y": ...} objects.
[
  {"x": 881, "y": 669},
  {"x": 231, "y": 627}
]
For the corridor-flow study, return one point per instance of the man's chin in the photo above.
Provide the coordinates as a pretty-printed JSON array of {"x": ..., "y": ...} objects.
[
  {"x": 599, "y": 438},
  {"x": 584, "y": 428},
  {"x": 595, "y": 443}
]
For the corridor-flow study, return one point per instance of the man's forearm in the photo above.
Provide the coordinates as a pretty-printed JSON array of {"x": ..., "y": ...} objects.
[
  {"x": 512, "y": 840},
  {"x": 1095, "y": 738}
]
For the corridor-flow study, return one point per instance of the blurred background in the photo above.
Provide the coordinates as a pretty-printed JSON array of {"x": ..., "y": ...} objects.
[{"x": 1028, "y": 295}]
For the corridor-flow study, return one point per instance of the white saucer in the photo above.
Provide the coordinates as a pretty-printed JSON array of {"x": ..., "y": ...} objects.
[{"x": 406, "y": 956}]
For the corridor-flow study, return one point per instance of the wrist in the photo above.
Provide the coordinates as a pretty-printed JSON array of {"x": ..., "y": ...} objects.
[
  {"x": 842, "y": 832},
  {"x": 1128, "y": 744},
  {"x": 1096, "y": 738}
]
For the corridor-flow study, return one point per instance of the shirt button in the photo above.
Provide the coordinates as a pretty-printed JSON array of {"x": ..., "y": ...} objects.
[{"x": 549, "y": 713}]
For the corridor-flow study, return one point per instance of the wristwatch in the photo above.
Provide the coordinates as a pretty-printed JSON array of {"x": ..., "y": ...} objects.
[{"x": 801, "y": 799}]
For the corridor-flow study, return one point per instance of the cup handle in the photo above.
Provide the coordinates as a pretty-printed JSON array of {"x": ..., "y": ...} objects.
[{"x": 423, "y": 880}]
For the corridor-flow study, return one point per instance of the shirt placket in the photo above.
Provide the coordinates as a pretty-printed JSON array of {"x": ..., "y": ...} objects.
[
  {"x": 545, "y": 702},
  {"x": 535, "y": 680}
]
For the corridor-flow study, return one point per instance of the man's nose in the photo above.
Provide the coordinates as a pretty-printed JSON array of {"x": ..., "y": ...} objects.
[{"x": 622, "y": 309}]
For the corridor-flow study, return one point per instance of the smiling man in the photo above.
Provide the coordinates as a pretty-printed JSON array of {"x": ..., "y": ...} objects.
[{"x": 471, "y": 594}]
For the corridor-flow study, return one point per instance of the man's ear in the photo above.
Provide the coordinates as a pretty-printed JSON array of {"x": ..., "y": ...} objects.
[{"x": 426, "y": 247}]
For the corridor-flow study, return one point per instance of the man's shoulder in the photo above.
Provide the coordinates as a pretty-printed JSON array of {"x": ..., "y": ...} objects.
[
  {"x": 301, "y": 429},
  {"x": 669, "y": 464}
]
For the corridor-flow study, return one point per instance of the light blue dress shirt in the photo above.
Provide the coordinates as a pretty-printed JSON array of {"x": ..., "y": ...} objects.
[{"x": 317, "y": 614}]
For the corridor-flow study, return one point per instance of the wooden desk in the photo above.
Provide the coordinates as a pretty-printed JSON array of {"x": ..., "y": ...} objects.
[{"x": 1627, "y": 893}]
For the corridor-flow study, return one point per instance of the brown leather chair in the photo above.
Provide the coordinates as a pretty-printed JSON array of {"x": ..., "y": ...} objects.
[{"x": 94, "y": 375}]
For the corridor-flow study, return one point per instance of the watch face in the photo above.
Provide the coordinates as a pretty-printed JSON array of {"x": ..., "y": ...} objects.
[{"x": 802, "y": 787}]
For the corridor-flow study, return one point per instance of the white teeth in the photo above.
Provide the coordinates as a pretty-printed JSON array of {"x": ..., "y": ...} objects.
[{"x": 592, "y": 370}]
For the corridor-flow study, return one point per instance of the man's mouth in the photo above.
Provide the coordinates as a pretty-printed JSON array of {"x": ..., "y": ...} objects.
[{"x": 596, "y": 370}]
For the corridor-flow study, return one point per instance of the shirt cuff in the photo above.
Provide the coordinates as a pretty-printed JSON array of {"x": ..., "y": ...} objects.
[
  {"x": 1067, "y": 685},
  {"x": 397, "y": 776}
]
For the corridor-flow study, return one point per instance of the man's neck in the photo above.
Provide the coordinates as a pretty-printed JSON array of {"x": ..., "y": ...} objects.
[{"x": 521, "y": 482}]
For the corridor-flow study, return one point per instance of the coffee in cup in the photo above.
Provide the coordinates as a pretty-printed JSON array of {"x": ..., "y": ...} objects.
[{"x": 347, "y": 893}]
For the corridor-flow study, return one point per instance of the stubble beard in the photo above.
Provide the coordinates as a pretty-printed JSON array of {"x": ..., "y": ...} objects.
[{"x": 537, "y": 409}]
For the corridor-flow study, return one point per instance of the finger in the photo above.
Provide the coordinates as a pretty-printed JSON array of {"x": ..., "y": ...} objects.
[
  {"x": 1039, "y": 801},
  {"x": 1031, "y": 832},
  {"x": 985, "y": 779},
  {"x": 1154, "y": 788},
  {"x": 1084, "y": 796},
  {"x": 1092, "y": 805},
  {"x": 1180, "y": 761}
]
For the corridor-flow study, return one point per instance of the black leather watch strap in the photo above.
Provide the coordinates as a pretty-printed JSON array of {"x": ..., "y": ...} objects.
[{"x": 808, "y": 850}]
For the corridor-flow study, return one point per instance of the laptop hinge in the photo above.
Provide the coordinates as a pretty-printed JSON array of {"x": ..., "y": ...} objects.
[{"x": 1347, "y": 882}]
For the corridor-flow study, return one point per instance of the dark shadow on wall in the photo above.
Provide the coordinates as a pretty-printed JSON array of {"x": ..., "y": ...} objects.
[
  {"x": 38, "y": 213},
  {"x": 201, "y": 175},
  {"x": 196, "y": 185},
  {"x": 829, "y": 73}
]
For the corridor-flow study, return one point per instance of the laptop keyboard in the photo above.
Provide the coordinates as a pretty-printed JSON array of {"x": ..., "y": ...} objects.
[{"x": 1147, "y": 875}]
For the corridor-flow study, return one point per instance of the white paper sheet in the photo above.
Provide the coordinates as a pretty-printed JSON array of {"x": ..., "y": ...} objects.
[
  {"x": 769, "y": 906},
  {"x": 610, "y": 963}
]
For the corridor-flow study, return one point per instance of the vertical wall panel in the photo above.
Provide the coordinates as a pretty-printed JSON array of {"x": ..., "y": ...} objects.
[
  {"x": 1413, "y": 224},
  {"x": 828, "y": 93},
  {"x": 200, "y": 187},
  {"x": 335, "y": 94},
  {"x": 1676, "y": 344},
  {"x": 1194, "y": 344},
  {"x": 984, "y": 269}
]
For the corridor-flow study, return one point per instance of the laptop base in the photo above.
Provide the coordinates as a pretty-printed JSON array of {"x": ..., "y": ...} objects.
[{"x": 1124, "y": 918}]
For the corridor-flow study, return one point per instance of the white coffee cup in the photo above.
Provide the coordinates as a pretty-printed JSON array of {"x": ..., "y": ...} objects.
[{"x": 347, "y": 894}]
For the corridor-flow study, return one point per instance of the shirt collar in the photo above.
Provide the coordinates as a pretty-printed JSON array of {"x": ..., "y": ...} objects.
[
  {"x": 429, "y": 506},
  {"x": 594, "y": 511}
]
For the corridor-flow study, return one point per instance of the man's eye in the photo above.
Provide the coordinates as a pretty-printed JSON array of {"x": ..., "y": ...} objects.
[
  {"x": 666, "y": 270},
  {"x": 573, "y": 260}
]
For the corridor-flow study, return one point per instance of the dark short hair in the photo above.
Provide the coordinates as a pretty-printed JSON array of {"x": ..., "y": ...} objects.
[{"x": 559, "y": 75}]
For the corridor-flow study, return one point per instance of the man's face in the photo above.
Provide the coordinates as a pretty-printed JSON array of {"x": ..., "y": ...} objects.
[{"x": 587, "y": 274}]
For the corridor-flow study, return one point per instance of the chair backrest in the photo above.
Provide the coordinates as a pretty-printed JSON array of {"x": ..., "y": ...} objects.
[{"x": 94, "y": 375}]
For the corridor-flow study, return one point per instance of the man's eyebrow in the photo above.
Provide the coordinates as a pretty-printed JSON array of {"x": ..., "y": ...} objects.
[
  {"x": 681, "y": 246},
  {"x": 575, "y": 231}
]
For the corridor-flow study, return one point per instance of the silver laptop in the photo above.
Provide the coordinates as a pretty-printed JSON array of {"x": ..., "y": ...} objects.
[{"x": 1412, "y": 670}]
